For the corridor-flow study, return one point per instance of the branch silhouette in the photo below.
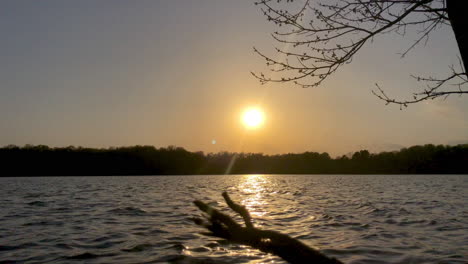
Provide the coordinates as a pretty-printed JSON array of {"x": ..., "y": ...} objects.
[
  {"x": 223, "y": 226},
  {"x": 320, "y": 36}
]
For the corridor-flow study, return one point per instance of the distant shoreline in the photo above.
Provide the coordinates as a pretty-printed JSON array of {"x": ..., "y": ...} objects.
[
  {"x": 35, "y": 161},
  {"x": 234, "y": 174}
]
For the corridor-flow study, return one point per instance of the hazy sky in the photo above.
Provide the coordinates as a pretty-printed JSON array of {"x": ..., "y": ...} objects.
[{"x": 118, "y": 73}]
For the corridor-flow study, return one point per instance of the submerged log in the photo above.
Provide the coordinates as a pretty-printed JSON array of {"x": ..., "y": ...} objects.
[{"x": 223, "y": 226}]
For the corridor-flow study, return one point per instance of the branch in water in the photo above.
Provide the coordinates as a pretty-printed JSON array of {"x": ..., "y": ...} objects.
[{"x": 284, "y": 246}]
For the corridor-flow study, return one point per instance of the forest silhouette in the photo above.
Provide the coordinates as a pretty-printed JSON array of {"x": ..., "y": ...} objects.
[{"x": 42, "y": 160}]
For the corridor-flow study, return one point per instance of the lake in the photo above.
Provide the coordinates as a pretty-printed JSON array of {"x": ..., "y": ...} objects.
[{"x": 147, "y": 219}]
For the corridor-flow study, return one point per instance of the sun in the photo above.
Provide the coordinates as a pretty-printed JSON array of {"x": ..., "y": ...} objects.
[{"x": 253, "y": 118}]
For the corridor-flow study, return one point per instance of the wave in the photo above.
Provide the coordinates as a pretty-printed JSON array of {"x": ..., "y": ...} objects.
[{"x": 128, "y": 211}]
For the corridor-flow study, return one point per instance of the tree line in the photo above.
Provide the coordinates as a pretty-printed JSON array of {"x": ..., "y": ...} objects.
[{"x": 42, "y": 160}]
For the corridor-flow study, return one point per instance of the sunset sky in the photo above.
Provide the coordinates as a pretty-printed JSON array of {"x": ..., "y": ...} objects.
[{"x": 148, "y": 72}]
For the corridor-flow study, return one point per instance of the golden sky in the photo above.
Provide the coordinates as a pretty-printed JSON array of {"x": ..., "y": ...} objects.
[{"x": 117, "y": 73}]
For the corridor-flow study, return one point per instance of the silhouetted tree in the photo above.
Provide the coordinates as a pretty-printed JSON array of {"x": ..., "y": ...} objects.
[
  {"x": 147, "y": 160},
  {"x": 321, "y": 36}
]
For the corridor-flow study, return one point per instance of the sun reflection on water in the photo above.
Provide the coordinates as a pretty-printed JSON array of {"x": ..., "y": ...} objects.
[{"x": 254, "y": 187}]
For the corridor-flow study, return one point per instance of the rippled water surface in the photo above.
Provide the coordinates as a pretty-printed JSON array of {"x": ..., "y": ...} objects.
[{"x": 356, "y": 218}]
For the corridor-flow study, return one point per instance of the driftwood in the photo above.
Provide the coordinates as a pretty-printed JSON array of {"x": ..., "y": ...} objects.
[{"x": 284, "y": 246}]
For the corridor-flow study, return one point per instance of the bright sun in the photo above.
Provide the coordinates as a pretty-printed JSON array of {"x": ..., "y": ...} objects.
[{"x": 253, "y": 118}]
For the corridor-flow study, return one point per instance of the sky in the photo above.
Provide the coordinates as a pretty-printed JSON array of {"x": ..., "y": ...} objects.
[{"x": 121, "y": 73}]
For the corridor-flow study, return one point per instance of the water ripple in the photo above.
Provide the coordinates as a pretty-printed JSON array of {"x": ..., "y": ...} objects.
[{"x": 360, "y": 219}]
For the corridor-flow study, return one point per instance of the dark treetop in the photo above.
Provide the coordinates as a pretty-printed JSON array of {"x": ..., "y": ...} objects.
[{"x": 148, "y": 160}]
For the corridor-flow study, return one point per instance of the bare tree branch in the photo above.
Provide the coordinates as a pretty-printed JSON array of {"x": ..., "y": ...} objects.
[
  {"x": 432, "y": 89},
  {"x": 284, "y": 246},
  {"x": 321, "y": 36}
]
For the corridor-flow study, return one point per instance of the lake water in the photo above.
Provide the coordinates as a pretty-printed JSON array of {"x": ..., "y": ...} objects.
[{"x": 355, "y": 218}]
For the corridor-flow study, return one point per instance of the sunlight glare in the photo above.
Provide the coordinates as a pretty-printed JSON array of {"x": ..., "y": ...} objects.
[
  {"x": 254, "y": 187},
  {"x": 253, "y": 118}
]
